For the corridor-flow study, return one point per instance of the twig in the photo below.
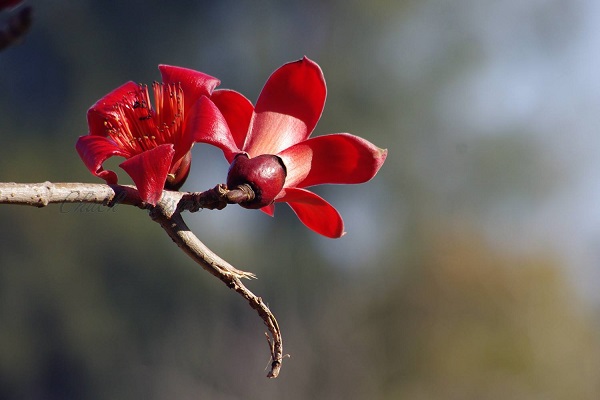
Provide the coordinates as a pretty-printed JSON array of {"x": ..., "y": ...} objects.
[
  {"x": 167, "y": 213},
  {"x": 188, "y": 242},
  {"x": 177, "y": 229}
]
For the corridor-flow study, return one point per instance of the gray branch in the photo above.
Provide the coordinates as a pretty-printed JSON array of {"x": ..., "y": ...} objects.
[{"x": 167, "y": 213}]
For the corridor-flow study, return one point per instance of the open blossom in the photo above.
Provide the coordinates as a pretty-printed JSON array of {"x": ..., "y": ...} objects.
[
  {"x": 269, "y": 148},
  {"x": 155, "y": 140}
]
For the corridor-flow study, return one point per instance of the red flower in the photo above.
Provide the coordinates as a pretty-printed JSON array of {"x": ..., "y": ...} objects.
[
  {"x": 269, "y": 148},
  {"x": 155, "y": 140}
]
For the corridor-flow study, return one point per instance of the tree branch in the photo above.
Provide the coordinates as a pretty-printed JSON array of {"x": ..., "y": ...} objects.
[
  {"x": 42, "y": 194},
  {"x": 230, "y": 276},
  {"x": 167, "y": 213}
]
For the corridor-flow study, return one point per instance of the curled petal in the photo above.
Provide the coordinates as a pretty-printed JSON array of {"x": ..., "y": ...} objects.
[
  {"x": 336, "y": 158},
  {"x": 94, "y": 150},
  {"x": 206, "y": 124},
  {"x": 194, "y": 83},
  {"x": 105, "y": 108},
  {"x": 237, "y": 111},
  {"x": 149, "y": 170},
  {"x": 288, "y": 107},
  {"x": 314, "y": 212}
]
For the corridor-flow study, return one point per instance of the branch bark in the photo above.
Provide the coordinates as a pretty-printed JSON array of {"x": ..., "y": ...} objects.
[
  {"x": 167, "y": 213},
  {"x": 42, "y": 194}
]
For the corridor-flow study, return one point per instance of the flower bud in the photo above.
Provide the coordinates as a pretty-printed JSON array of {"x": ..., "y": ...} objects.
[{"x": 265, "y": 174}]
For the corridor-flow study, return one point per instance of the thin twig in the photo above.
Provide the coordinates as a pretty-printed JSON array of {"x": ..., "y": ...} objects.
[
  {"x": 167, "y": 213},
  {"x": 189, "y": 243},
  {"x": 177, "y": 229}
]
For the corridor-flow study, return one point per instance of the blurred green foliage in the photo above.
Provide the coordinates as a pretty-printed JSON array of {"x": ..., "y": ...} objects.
[{"x": 415, "y": 302}]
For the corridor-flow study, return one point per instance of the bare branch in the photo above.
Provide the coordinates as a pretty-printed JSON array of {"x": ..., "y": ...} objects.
[
  {"x": 192, "y": 246},
  {"x": 188, "y": 242},
  {"x": 42, "y": 194},
  {"x": 216, "y": 198},
  {"x": 167, "y": 213}
]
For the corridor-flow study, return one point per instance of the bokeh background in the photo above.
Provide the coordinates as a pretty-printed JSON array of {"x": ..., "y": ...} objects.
[{"x": 470, "y": 267}]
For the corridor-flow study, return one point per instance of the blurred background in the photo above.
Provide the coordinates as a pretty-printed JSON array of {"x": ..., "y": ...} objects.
[{"x": 470, "y": 267}]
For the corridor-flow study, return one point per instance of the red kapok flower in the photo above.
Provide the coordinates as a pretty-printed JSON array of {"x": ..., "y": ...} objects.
[
  {"x": 155, "y": 140},
  {"x": 269, "y": 148}
]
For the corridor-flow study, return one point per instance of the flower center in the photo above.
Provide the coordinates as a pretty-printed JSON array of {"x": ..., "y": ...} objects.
[{"x": 138, "y": 127}]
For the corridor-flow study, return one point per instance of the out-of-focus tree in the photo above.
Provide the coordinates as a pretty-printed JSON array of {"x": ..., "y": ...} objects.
[{"x": 468, "y": 321}]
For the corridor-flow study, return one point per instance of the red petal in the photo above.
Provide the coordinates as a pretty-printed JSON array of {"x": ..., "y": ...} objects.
[
  {"x": 288, "y": 108},
  {"x": 149, "y": 171},
  {"x": 105, "y": 109},
  {"x": 94, "y": 150},
  {"x": 314, "y": 212},
  {"x": 337, "y": 158},
  {"x": 269, "y": 210},
  {"x": 193, "y": 83},
  {"x": 206, "y": 124},
  {"x": 185, "y": 142},
  {"x": 237, "y": 111}
]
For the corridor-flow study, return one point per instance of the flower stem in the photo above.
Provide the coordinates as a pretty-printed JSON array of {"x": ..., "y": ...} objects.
[
  {"x": 240, "y": 194},
  {"x": 216, "y": 198}
]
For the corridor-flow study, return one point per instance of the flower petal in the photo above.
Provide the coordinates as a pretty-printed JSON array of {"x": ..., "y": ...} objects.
[
  {"x": 314, "y": 212},
  {"x": 105, "y": 108},
  {"x": 336, "y": 158},
  {"x": 193, "y": 83},
  {"x": 272, "y": 132},
  {"x": 94, "y": 150},
  {"x": 206, "y": 124},
  {"x": 149, "y": 171},
  {"x": 288, "y": 108},
  {"x": 269, "y": 210},
  {"x": 237, "y": 111}
]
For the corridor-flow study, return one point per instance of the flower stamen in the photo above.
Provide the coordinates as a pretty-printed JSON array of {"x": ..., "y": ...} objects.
[{"x": 137, "y": 127}]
